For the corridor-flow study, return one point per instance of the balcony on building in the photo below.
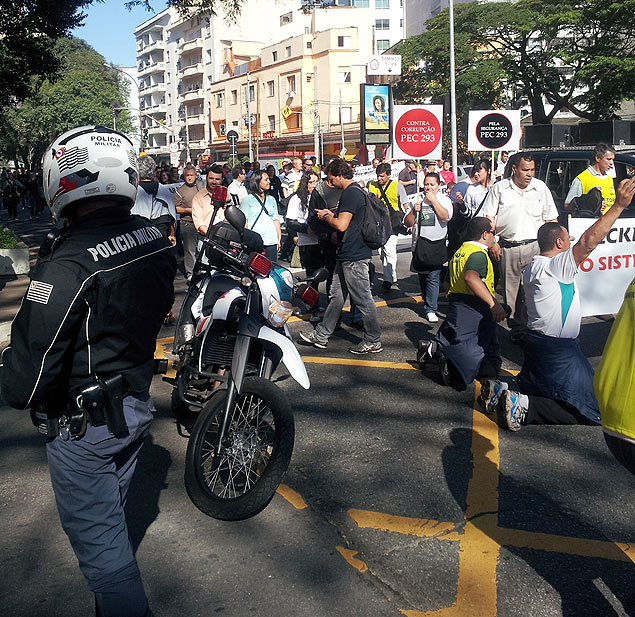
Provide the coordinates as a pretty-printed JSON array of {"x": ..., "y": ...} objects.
[
  {"x": 192, "y": 94},
  {"x": 197, "y": 143},
  {"x": 194, "y": 119},
  {"x": 152, "y": 45},
  {"x": 155, "y": 108},
  {"x": 147, "y": 68},
  {"x": 191, "y": 45},
  {"x": 192, "y": 69},
  {"x": 145, "y": 89}
]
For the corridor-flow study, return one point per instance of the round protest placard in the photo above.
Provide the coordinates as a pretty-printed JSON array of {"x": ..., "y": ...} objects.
[
  {"x": 494, "y": 130},
  {"x": 417, "y": 132}
]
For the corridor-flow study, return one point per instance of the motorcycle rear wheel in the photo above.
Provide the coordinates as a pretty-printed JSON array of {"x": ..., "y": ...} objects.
[{"x": 242, "y": 481}]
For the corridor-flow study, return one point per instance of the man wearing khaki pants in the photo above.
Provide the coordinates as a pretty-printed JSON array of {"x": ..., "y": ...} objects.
[{"x": 518, "y": 206}]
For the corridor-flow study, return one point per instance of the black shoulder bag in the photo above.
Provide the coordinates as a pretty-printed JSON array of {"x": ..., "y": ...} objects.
[{"x": 396, "y": 221}]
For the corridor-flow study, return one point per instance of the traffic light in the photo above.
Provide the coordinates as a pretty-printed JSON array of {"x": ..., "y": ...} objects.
[
  {"x": 221, "y": 129},
  {"x": 145, "y": 134}
]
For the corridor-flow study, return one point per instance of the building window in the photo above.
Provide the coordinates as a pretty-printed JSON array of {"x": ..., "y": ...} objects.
[
  {"x": 361, "y": 4},
  {"x": 343, "y": 41},
  {"x": 287, "y": 18},
  {"x": 287, "y": 51},
  {"x": 272, "y": 123},
  {"x": 290, "y": 84},
  {"x": 274, "y": 56},
  {"x": 383, "y": 44},
  {"x": 219, "y": 99},
  {"x": 346, "y": 115},
  {"x": 309, "y": 45},
  {"x": 209, "y": 55},
  {"x": 401, "y": 23},
  {"x": 343, "y": 76},
  {"x": 382, "y": 4},
  {"x": 271, "y": 88},
  {"x": 252, "y": 93},
  {"x": 234, "y": 97},
  {"x": 382, "y": 24}
]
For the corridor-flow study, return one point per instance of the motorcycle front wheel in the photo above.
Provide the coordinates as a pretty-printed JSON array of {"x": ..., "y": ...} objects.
[{"x": 258, "y": 445}]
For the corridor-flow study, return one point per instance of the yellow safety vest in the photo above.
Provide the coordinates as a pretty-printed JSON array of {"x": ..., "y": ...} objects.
[
  {"x": 614, "y": 380},
  {"x": 457, "y": 265},
  {"x": 391, "y": 192},
  {"x": 589, "y": 181}
]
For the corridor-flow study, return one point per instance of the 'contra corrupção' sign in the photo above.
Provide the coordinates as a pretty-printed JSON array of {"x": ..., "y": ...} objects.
[{"x": 417, "y": 131}]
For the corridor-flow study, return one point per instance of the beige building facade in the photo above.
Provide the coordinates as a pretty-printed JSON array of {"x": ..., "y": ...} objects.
[{"x": 303, "y": 67}]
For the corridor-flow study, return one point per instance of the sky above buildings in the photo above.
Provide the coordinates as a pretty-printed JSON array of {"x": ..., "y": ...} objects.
[{"x": 109, "y": 28}]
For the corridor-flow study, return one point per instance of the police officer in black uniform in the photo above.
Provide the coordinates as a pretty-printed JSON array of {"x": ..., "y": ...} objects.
[{"x": 82, "y": 347}]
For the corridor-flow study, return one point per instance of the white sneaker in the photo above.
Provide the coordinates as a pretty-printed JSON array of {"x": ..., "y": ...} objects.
[
  {"x": 432, "y": 317},
  {"x": 491, "y": 391}
]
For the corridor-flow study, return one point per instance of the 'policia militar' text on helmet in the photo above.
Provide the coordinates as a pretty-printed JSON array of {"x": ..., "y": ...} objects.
[{"x": 89, "y": 163}]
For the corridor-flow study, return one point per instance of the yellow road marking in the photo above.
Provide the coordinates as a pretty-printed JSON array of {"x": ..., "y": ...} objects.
[
  {"x": 349, "y": 556},
  {"x": 164, "y": 346},
  {"x": 402, "y": 366},
  {"x": 294, "y": 498},
  {"x": 378, "y": 304},
  {"x": 420, "y": 527}
]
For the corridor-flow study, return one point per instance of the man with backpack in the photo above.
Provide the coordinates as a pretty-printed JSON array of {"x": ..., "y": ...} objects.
[
  {"x": 394, "y": 197},
  {"x": 352, "y": 266}
]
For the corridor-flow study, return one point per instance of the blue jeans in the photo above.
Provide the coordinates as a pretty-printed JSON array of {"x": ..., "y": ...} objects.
[
  {"x": 351, "y": 277},
  {"x": 430, "y": 282}
]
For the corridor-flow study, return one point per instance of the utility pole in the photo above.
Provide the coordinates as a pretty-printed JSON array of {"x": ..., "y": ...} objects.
[
  {"x": 316, "y": 119},
  {"x": 251, "y": 155},
  {"x": 453, "y": 94},
  {"x": 341, "y": 118}
]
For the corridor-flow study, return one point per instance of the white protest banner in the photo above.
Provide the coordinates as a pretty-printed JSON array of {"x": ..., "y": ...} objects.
[
  {"x": 494, "y": 129},
  {"x": 604, "y": 276},
  {"x": 417, "y": 131},
  {"x": 367, "y": 173}
]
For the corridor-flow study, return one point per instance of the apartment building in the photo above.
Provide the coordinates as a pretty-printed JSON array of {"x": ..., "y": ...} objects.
[
  {"x": 286, "y": 102},
  {"x": 190, "y": 70}
]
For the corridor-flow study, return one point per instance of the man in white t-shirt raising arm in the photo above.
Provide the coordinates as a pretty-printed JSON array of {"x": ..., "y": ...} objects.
[{"x": 556, "y": 381}]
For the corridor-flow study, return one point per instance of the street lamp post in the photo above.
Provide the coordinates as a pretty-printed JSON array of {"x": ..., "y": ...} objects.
[{"x": 453, "y": 94}]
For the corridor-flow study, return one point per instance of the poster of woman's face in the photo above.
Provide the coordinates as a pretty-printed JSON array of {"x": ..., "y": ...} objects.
[{"x": 376, "y": 108}]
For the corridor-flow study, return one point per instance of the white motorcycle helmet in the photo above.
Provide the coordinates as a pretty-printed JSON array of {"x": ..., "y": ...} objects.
[{"x": 89, "y": 163}]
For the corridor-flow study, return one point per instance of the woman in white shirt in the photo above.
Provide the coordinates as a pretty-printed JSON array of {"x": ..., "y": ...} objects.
[
  {"x": 429, "y": 238},
  {"x": 475, "y": 193},
  {"x": 296, "y": 221}
]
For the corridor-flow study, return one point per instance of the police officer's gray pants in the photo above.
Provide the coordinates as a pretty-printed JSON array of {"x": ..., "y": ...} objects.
[{"x": 90, "y": 478}]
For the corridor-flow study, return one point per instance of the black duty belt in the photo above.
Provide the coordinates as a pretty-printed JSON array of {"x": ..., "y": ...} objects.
[{"x": 506, "y": 244}]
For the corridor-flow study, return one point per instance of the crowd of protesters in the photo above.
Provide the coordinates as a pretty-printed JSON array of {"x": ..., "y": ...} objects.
[{"x": 496, "y": 227}]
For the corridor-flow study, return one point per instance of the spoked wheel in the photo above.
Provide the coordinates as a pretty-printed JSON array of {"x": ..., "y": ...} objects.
[{"x": 257, "y": 449}]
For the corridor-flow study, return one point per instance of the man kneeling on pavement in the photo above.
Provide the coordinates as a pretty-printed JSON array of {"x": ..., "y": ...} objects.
[
  {"x": 466, "y": 346},
  {"x": 555, "y": 384}
]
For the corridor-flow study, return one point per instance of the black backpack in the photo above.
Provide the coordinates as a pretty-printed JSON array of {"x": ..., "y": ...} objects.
[{"x": 376, "y": 227}]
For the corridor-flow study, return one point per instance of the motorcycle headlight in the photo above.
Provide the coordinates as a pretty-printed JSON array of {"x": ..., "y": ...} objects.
[{"x": 279, "y": 312}]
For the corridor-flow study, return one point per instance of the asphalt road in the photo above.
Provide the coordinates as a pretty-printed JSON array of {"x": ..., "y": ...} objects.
[{"x": 402, "y": 497}]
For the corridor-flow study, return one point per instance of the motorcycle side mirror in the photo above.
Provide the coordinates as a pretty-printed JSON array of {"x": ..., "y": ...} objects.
[
  {"x": 236, "y": 218},
  {"x": 320, "y": 276}
]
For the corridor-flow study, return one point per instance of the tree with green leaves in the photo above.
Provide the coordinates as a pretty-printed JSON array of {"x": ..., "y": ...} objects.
[
  {"x": 82, "y": 94},
  {"x": 571, "y": 54},
  {"x": 29, "y": 29}
]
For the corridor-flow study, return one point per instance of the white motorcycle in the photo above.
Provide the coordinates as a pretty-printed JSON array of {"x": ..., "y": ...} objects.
[{"x": 231, "y": 336}]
